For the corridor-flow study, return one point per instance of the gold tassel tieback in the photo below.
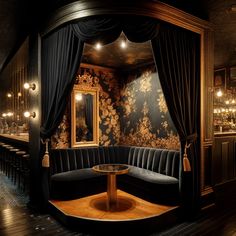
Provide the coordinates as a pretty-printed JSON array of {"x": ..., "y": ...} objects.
[
  {"x": 45, "y": 160},
  {"x": 186, "y": 163}
]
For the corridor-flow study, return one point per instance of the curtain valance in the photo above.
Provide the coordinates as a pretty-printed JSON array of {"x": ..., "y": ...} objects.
[{"x": 106, "y": 29}]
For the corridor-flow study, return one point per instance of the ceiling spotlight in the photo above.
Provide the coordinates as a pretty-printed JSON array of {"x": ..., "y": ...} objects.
[
  {"x": 123, "y": 44},
  {"x": 28, "y": 114},
  {"x": 98, "y": 46},
  {"x": 29, "y": 86}
]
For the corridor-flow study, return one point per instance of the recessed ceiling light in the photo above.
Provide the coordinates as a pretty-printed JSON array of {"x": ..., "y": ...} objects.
[
  {"x": 123, "y": 44},
  {"x": 98, "y": 46}
]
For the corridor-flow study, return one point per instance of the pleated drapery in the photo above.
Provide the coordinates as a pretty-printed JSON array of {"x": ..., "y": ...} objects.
[
  {"x": 61, "y": 55},
  {"x": 177, "y": 56}
]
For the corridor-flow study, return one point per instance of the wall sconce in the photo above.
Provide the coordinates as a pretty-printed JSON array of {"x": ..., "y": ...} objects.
[
  {"x": 29, "y": 86},
  {"x": 28, "y": 114}
]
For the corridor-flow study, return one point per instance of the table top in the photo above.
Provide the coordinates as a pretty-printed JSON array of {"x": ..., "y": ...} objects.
[{"x": 117, "y": 169}]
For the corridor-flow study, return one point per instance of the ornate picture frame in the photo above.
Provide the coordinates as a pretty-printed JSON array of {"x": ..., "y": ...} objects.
[{"x": 84, "y": 116}]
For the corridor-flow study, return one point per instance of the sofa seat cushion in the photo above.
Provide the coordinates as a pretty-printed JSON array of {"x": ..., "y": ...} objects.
[
  {"x": 151, "y": 176},
  {"x": 150, "y": 185},
  {"x": 76, "y": 183},
  {"x": 74, "y": 175}
]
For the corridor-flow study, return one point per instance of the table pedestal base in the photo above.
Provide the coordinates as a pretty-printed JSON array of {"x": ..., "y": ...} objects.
[{"x": 111, "y": 190}]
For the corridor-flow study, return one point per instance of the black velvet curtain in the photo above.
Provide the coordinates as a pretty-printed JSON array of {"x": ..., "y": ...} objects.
[
  {"x": 177, "y": 56},
  {"x": 61, "y": 54}
]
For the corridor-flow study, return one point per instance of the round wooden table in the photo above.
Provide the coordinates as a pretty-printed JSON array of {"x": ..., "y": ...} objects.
[{"x": 111, "y": 170}]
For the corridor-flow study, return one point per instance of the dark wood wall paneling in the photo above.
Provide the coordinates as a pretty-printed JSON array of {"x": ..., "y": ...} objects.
[{"x": 224, "y": 159}]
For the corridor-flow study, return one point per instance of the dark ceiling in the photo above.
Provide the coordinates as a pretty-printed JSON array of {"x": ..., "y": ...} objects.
[
  {"x": 17, "y": 18},
  {"x": 114, "y": 56}
]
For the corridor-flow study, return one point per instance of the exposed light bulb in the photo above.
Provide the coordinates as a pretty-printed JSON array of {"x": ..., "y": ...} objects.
[
  {"x": 28, "y": 114},
  {"x": 123, "y": 44},
  {"x": 9, "y": 95},
  {"x": 98, "y": 46},
  {"x": 219, "y": 93},
  {"x": 29, "y": 86}
]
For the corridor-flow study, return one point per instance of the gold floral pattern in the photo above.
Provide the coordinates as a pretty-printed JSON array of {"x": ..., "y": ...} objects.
[
  {"x": 149, "y": 124},
  {"x": 61, "y": 138},
  {"x": 132, "y": 111},
  {"x": 162, "y": 103}
]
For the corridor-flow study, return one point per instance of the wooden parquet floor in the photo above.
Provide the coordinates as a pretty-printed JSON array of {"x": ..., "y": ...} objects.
[
  {"x": 95, "y": 207},
  {"x": 18, "y": 220}
]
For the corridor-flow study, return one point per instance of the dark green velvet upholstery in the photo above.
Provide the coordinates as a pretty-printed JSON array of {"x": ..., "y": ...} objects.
[{"x": 154, "y": 172}]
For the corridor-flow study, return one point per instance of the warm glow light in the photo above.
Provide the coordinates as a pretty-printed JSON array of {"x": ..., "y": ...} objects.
[
  {"x": 28, "y": 114},
  {"x": 227, "y": 102},
  {"x": 19, "y": 94},
  {"x": 4, "y": 114},
  {"x": 219, "y": 93},
  {"x": 78, "y": 97},
  {"x": 123, "y": 44},
  {"x": 233, "y": 101},
  {"x": 98, "y": 46},
  {"x": 28, "y": 86},
  {"x": 10, "y": 114},
  {"x": 9, "y": 95}
]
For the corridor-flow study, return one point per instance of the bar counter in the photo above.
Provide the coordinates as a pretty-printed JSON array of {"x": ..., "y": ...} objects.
[
  {"x": 225, "y": 133},
  {"x": 19, "y": 140}
]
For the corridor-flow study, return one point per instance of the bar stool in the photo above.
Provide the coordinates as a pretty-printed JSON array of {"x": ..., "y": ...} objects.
[
  {"x": 13, "y": 163},
  {"x": 2, "y": 161},
  {"x": 25, "y": 171},
  {"x": 7, "y": 167},
  {"x": 19, "y": 166}
]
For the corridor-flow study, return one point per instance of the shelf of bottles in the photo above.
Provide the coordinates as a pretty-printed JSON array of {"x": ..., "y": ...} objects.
[{"x": 224, "y": 110}]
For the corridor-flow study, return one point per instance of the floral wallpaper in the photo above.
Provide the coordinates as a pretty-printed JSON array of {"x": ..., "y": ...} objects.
[
  {"x": 144, "y": 116},
  {"x": 61, "y": 138},
  {"x": 132, "y": 109}
]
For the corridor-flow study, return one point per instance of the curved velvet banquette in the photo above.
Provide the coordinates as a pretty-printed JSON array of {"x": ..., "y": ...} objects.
[{"x": 154, "y": 173}]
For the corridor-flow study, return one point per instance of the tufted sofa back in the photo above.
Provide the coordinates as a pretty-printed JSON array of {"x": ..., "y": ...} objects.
[
  {"x": 159, "y": 160},
  {"x": 162, "y": 161}
]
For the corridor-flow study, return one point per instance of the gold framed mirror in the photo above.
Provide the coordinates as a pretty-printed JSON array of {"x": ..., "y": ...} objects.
[{"x": 84, "y": 116}]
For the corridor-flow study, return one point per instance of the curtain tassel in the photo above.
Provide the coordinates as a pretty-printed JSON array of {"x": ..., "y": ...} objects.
[
  {"x": 186, "y": 163},
  {"x": 45, "y": 160}
]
